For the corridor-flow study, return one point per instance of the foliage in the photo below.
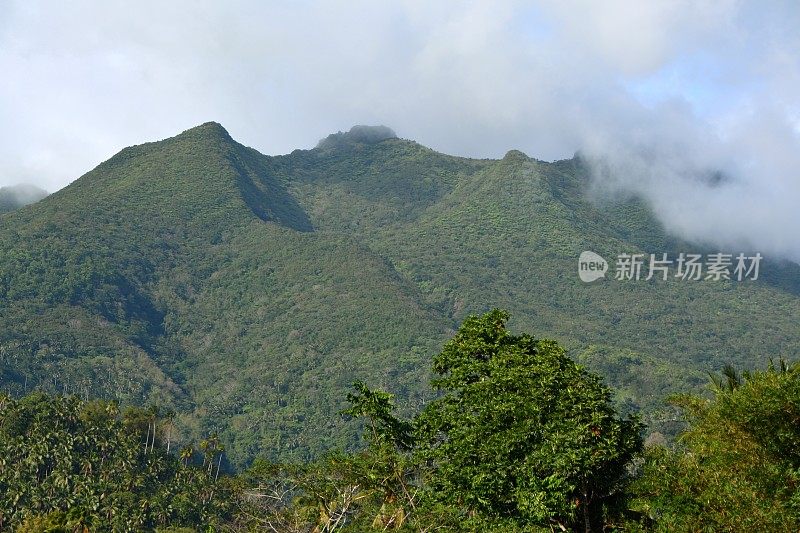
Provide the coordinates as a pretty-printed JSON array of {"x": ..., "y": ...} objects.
[
  {"x": 522, "y": 432},
  {"x": 737, "y": 466},
  {"x": 70, "y": 465},
  {"x": 374, "y": 488},
  {"x": 522, "y": 438},
  {"x": 385, "y": 428},
  {"x": 519, "y": 438}
]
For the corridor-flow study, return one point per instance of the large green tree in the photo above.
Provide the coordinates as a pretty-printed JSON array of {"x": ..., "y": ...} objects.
[{"x": 522, "y": 434}]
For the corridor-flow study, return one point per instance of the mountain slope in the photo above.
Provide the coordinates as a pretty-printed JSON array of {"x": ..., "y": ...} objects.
[
  {"x": 163, "y": 273},
  {"x": 248, "y": 291},
  {"x": 509, "y": 235}
]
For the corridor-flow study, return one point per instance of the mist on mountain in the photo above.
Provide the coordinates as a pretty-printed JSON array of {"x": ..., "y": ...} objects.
[
  {"x": 15, "y": 196},
  {"x": 246, "y": 291}
]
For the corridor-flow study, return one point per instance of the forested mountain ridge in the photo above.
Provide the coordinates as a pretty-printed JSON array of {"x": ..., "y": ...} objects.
[{"x": 248, "y": 291}]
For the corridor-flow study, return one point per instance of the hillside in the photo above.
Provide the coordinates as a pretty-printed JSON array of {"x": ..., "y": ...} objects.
[{"x": 247, "y": 291}]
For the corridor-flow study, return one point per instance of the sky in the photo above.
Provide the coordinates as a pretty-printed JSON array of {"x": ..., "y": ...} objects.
[{"x": 693, "y": 105}]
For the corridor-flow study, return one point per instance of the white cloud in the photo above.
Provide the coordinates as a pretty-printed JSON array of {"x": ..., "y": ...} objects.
[
  {"x": 637, "y": 38},
  {"x": 663, "y": 91}
]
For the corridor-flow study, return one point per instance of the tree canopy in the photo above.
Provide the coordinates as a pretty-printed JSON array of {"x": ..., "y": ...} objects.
[
  {"x": 522, "y": 431},
  {"x": 518, "y": 437},
  {"x": 737, "y": 466}
]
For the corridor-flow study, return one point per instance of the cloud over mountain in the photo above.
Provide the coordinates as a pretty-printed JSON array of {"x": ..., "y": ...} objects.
[{"x": 658, "y": 93}]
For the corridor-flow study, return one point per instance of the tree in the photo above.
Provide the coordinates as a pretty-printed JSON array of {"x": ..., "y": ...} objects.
[
  {"x": 71, "y": 465},
  {"x": 737, "y": 466},
  {"x": 378, "y": 407},
  {"x": 521, "y": 433},
  {"x": 389, "y": 471},
  {"x": 376, "y": 488}
]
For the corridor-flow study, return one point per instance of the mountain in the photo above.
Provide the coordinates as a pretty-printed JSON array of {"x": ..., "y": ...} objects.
[
  {"x": 16, "y": 196},
  {"x": 247, "y": 292}
]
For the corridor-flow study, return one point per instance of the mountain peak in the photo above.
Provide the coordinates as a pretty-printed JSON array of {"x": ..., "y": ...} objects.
[
  {"x": 207, "y": 129},
  {"x": 358, "y": 134},
  {"x": 515, "y": 155},
  {"x": 201, "y": 177}
]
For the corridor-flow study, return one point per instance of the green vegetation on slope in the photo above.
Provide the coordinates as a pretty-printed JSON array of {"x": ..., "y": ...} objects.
[{"x": 246, "y": 291}]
